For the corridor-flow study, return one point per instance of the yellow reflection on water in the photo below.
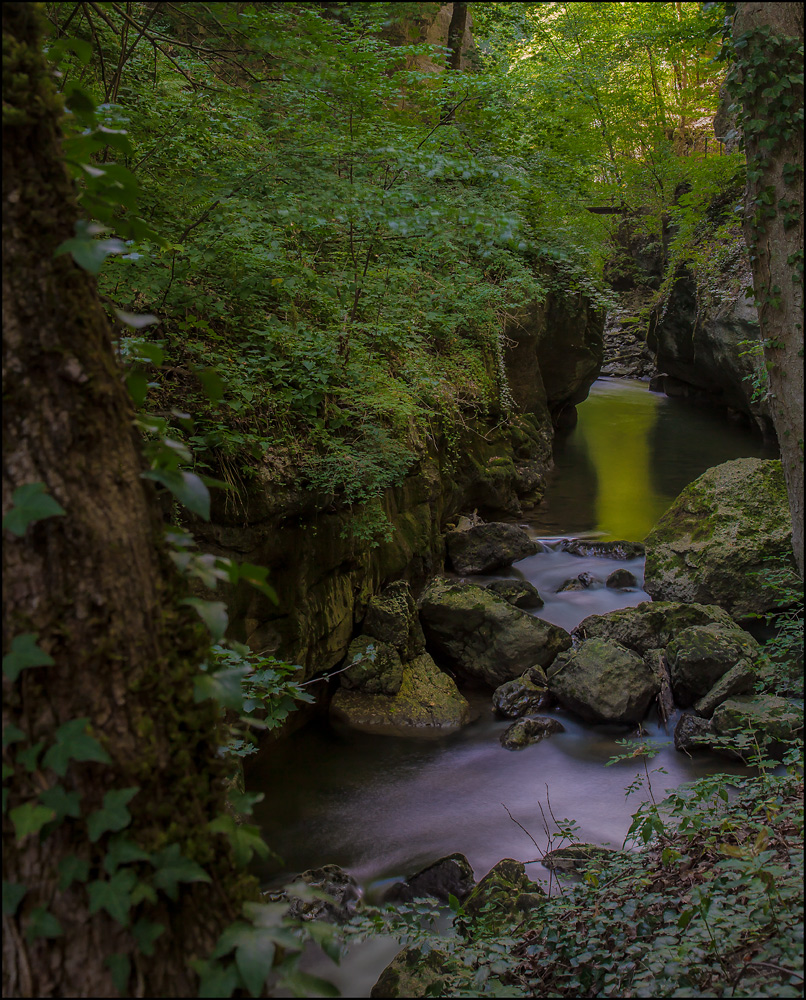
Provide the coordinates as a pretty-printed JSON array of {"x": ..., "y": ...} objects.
[{"x": 617, "y": 428}]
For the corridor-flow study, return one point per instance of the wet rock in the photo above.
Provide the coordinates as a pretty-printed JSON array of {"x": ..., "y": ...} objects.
[
  {"x": 650, "y": 625},
  {"x": 621, "y": 579},
  {"x": 720, "y": 538},
  {"x": 692, "y": 734},
  {"x": 450, "y": 876},
  {"x": 773, "y": 723},
  {"x": 412, "y": 974},
  {"x": 526, "y": 731},
  {"x": 376, "y": 667},
  {"x": 343, "y": 890},
  {"x": 576, "y": 857},
  {"x": 582, "y": 582},
  {"x": 392, "y": 618},
  {"x": 485, "y": 547},
  {"x": 482, "y": 635},
  {"x": 518, "y": 593},
  {"x": 525, "y": 695},
  {"x": 699, "y": 656},
  {"x": 427, "y": 699},
  {"x": 738, "y": 680},
  {"x": 607, "y": 550},
  {"x": 504, "y": 894},
  {"x": 603, "y": 681}
]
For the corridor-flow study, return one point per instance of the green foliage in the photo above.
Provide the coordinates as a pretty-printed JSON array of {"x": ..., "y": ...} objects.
[{"x": 30, "y": 503}]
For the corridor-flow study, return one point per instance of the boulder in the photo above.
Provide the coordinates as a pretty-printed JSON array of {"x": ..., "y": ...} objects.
[
  {"x": 621, "y": 579},
  {"x": 427, "y": 699},
  {"x": 650, "y": 625},
  {"x": 412, "y": 974},
  {"x": 376, "y": 667},
  {"x": 582, "y": 582},
  {"x": 504, "y": 893},
  {"x": 483, "y": 636},
  {"x": 519, "y": 593},
  {"x": 524, "y": 732},
  {"x": 775, "y": 723},
  {"x": 392, "y": 618},
  {"x": 692, "y": 734},
  {"x": 576, "y": 857},
  {"x": 720, "y": 538},
  {"x": 603, "y": 681},
  {"x": 485, "y": 547},
  {"x": 523, "y": 696},
  {"x": 608, "y": 550},
  {"x": 700, "y": 655},
  {"x": 341, "y": 887},
  {"x": 450, "y": 876},
  {"x": 738, "y": 680}
]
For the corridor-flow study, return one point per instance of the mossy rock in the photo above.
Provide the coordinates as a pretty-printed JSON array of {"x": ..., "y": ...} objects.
[
  {"x": 518, "y": 593},
  {"x": 392, "y": 618},
  {"x": 651, "y": 624},
  {"x": 376, "y": 667},
  {"x": 720, "y": 537},
  {"x": 739, "y": 680},
  {"x": 699, "y": 656},
  {"x": 486, "y": 547},
  {"x": 504, "y": 896},
  {"x": 411, "y": 973},
  {"x": 427, "y": 700},
  {"x": 527, "y": 731},
  {"x": 577, "y": 857},
  {"x": 774, "y": 722},
  {"x": 523, "y": 696}
]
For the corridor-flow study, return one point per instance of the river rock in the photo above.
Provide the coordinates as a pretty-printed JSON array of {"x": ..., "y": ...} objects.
[
  {"x": 519, "y": 593},
  {"x": 700, "y": 655},
  {"x": 427, "y": 698},
  {"x": 450, "y": 876},
  {"x": 523, "y": 696},
  {"x": 392, "y": 618},
  {"x": 412, "y": 974},
  {"x": 692, "y": 734},
  {"x": 376, "y": 667},
  {"x": 621, "y": 579},
  {"x": 582, "y": 582},
  {"x": 485, "y": 547},
  {"x": 504, "y": 893},
  {"x": 738, "y": 680},
  {"x": 775, "y": 723},
  {"x": 341, "y": 887},
  {"x": 576, "y": 857},
  {"x": 650, "y": 625},
  {"x": 526, "y": 731},
  {"x": 603, "y": 681},
  {"x": 484, "y": 636},
  {"x": 608, "y": 550},
  {"x": 720, "y": 537}
]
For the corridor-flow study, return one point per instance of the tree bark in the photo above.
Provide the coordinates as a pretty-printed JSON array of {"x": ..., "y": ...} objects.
[
  {"x": 456, "y": 34},
  {"x": 97, "y": 588},
  {"x": 774, "y": 245}
]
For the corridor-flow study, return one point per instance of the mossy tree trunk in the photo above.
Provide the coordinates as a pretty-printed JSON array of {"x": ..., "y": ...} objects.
[
  {"x": 776, "y": 242},
  {"x": 97, "y": 588}
]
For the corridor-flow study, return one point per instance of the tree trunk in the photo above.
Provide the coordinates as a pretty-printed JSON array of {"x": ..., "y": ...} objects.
[
  {"x": 456, "y": 34},
  {"x": 97, "y": 588},
  {"x": 775, "y": 241}
]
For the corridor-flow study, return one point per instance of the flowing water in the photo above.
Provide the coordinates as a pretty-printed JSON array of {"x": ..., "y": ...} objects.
[{"x": 383, "y": 807}]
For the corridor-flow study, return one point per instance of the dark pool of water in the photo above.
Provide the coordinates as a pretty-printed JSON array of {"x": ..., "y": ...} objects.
[{"x": 382, "y": 807}]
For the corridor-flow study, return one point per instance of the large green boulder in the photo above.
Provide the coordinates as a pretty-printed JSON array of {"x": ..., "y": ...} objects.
[
  {"x": 720, "y": 537},
  {"x": 775, "y": 723},
  {"x": 739, "y": 680},
  {"x": 392, "y": 617},
  {"x": 650, "y": 625},
  {"x": 375, "y": 667},
  {"x": 699, "y": 656},
  {"x": 505, "y": 895},
  {"x": 603, "y": 681},
  {"x": 523, "y": 696},
  {"x": 484, "y": 636},
  {"x": 481, "y": 548},
  {"x": 412, "y": 974},
  {"x": 427, "y": 700}
]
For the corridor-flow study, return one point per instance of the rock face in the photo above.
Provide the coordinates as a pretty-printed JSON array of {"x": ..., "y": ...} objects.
[
  {"x": 482, "y": 635},
  {"x": 427, "y": 699},
  {"x": 392, "y": 618},
  {"x": 650, "y": 625},
  {"x": 723, "y": 530},
  {"x": 450, "y": 876},
  {"x": 738, "y": 680},
  {"x": 519, "y": 593},
  {"x": 603, "y": 681},
  {"x": 485, "y": 547},
  {"x": 504, "y": 893},
  {"x": 699, "y": 656},
  {"x": 376, "y": 667},
  {"x": 525, "y": 695},
  {"x": 524, "y": 732}
]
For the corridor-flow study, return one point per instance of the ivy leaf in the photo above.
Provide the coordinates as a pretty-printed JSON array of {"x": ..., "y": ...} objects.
[
  {"x": 62, "y": 802},
  {"x": 12, "y": 734},
  {"x": 256, "y": 576},
  {"x": 122, "y": 851},
  {"x": 187, "y": 487},
  {"x": 172, "y": 868},
  {"x": 212, "y": 613},
  {"x": 25, "y": 653},
  {"x": 113, "y": 815},
  {"x": 224, "y": 685},
  {"x": 303, "y": 984},
  {"x": 114, "y": 895},
  {"x": 146, "y": 933},
  {"x": 41, "y": 923},
  {"x": 28, "y": 757},
  {"x": 85, "y": 250},
  {"x": 73, "y": 742},
  {"x": 72, "y": 869},
  {"x": 212, "y": 383},
  {"x": 215, "y": 979},
  {"x": 30, "y": 503},
  {"x": 12, "y": 897},
  {"x": 29, "y": 818},
  {"x": 244, "y": 839},
  {"x": 254, "y": 957},
  {"x": 143, "y": 891},
  {"x": 120, "y": 966}
]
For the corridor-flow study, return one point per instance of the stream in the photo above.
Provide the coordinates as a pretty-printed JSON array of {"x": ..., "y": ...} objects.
[{"x": 383, "y": 807}]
